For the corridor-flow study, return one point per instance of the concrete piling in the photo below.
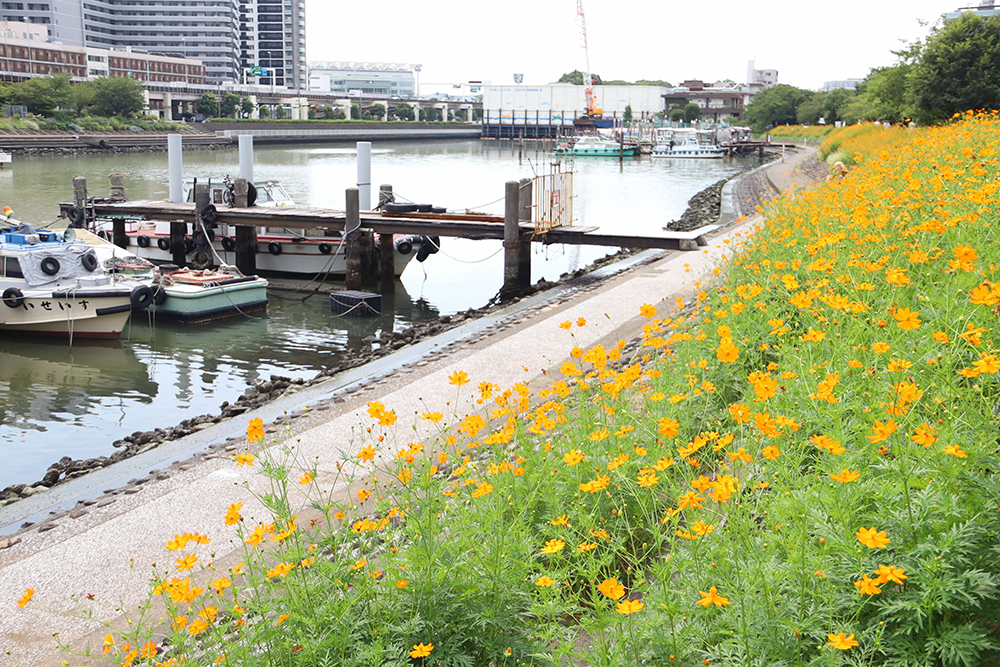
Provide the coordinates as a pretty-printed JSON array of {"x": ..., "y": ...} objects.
[
  {"x": 511, "y": 240},
  {"x": 524, "y": 250}
]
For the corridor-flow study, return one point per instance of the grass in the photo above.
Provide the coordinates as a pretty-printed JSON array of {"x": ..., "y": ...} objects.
[
  {"x": 801, "y": 132},
  {"x": 795, "y": 468}
]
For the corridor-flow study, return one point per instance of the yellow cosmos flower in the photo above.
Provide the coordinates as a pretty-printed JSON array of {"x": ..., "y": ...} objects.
[
  {"x": 712, "y": 597},
  {"x": 255, "y": 430},
  {"x": 553, "y": 546},
  {"x": 458, "y": 378},
  {"x": 956, "y": 450},
  {"x": 845, "y": 476},
  {"x": 544, "y": 582},
  {"x": 26, "y": 598}
]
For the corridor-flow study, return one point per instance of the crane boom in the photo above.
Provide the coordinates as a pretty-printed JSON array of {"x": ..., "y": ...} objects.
[{"x": 588, "y": 81}]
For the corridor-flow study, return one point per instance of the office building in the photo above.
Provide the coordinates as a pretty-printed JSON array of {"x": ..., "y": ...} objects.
[{"x": 226, "y": 35}]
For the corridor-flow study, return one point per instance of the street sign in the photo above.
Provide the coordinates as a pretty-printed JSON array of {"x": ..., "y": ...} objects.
[{"x": 257, "y": 71}]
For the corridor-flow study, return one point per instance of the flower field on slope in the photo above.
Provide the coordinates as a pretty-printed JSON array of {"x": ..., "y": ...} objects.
[
  {"x": 797, "y": 468},
  {"x": 800, "y": 132}
]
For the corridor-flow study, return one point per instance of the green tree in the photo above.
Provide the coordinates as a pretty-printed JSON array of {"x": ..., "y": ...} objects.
[
  {"x": 829, "y": 106},
  {"x": 576, "y": 77},
  {"x": 654, "y": 82},
  {"x": 246, "y": 107},
  {"x": 81, "y": 96},
  {"x": 279, "y": 111},
  {"x": 887, "y": 92},
  {"x": 477, "y": 113},
  {"x": 403, "y": 111},
  {"x": 378, "y": 111},
  {"x": 230, "y": 102},
  {"x": 677, "y": 115},
  {"x": 208, "y": 105},
  {"x": 430, "y": 114},
  {"x": 776, "y": 106},
  {"x": 42, "y": 95},
  {"x": 958, "y": 69},
  {"x": 355, "y": 112},
  {"x": 692, "y": 112},
  {"x": 338, "y": 114},
  {"x": 627, "y": 116},
  {"x": 118, "y": 96},
  {"x": 327, "y": 111}
]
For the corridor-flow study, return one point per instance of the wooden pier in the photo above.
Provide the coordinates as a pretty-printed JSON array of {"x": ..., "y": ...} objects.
[{"x": 515, "y": 229}]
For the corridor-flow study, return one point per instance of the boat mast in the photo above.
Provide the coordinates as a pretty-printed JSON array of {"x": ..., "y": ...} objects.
[{"x": 588, "y": 82}]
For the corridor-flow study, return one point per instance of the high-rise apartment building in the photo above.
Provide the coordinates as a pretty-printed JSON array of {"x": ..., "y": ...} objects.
[{"x": 229, "y": 36}]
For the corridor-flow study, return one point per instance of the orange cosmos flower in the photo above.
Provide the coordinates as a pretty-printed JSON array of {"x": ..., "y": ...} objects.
[
  {"x": 626, "y": 607},
  {"x": 612, "y": 589},
  {"x": 867, "y": 586},
  {"x": 882, "y": 431},
  {"x": 907, "y": 319},
  {"x": 956, "y": 450},
  {"x": 648, "y": 311},
  {"x": 233, "y": 515},
  {"x": 890, "y": 573},
  {"x": 845, "y": 476},
  {"x": 712, "y": 597},
  {"x": 771, "y": 453},
  {"x": 553, "y": 546},
  {"x": 544, "y": 582},
  {"x": 244, "y": 459},
  {"x": 458, "y": 378},
  {"x": 872, "y": 538},
  {"x": 26, "y": 598},
  {"x": 841, "y": 641},
  {"x": 255, "y": 430},
  {"x": 423, "y": 650}
]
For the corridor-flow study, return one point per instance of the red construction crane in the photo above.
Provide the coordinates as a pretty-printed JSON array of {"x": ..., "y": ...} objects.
[{"x": 588, "y": 82}]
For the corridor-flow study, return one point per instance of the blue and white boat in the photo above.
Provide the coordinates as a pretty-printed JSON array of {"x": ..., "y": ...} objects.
[{"x": 54, "y": 285}]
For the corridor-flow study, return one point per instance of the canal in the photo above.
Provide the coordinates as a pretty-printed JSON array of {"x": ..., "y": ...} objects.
[{"x": 57, "y": 400}]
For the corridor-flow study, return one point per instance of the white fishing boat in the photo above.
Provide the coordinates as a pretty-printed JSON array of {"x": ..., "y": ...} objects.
[
  {"x": 279, "y": 251},
  {"x": 54, "y": 285},
  {"x": 190, "y": 296},
  {"x": 671, "y": 143}
]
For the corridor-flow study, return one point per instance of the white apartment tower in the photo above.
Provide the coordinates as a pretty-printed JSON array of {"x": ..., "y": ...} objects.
[{"x": 227, "y": 35}]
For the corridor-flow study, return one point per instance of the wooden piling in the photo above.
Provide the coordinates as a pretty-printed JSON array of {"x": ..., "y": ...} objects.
[
  {"x": 240, "y": 190},
  {"x": 246, "y": 249},
  {"x": 387, "y": 260},
  {"x": 352, "y": 228},
  {"x": 178, "y": 230},
  {"x": 80, "y": 197},
  {"x": 511, "y": 240},
  {"x": 117, "y": 187},
  {"x": 118, "y": 236}
]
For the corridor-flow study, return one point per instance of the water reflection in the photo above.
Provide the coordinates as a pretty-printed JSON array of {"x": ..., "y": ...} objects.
[{"x": 58, "y": 401}]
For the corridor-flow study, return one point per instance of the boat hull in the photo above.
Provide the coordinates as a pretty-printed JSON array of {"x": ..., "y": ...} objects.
[
  {"x": 84, "y": 315},
  {"x": 194, "y": 304}
]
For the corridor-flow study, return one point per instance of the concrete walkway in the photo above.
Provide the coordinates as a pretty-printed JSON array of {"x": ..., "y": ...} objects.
[{"x": 104, "y": 543}]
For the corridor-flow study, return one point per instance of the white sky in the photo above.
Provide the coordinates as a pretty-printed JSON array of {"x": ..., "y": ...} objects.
[{"x": 462, "y": 40}]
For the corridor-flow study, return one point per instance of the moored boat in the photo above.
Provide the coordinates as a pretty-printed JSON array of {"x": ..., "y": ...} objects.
[
  {"x": 53, "y": 285},
  {"x": 670, "y": 143},
  {"x": 279, "y": 251},
  {"x": 596, "y": 146}
]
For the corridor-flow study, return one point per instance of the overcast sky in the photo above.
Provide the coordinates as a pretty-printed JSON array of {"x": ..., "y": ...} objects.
[{"x": 458, "y": 41}]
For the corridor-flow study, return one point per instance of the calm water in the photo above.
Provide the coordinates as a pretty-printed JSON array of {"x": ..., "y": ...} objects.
[{"x": 58, "y": 401}]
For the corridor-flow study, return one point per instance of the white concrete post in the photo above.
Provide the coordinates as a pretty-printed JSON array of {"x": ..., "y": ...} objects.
[
  {"x": 168, "y": 106},
  {"x": 365, "y": 175},
  {"x": 416, "y": 112},
  {"x": 255, "y": 112},
  {"x": 246, "y": 157},
  {"x": 175, "y": 168}
]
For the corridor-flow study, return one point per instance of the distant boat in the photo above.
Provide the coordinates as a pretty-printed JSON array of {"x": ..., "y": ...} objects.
[
  {"x": 596, "y": 146},
  {"x": 670, "y": 143}
]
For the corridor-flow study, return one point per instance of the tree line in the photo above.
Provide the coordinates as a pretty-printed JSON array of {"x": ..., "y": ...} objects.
[{"x": 954, "y": 69}]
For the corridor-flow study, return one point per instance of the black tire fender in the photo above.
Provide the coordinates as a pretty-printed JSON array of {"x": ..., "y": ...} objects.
[
  {"x": 163, "y": 243},
  {"x": 77, "y": 216},
  {"x": 201, "y": 260},
  {"x": 159, "y": 295},
  {"x": 89, "y": 262},
  {"x": 404, "y": 247},
  {"x": 209, "y": 214},
  {"x": 325, "y": 248},
  {"x": 142, "y": 241},
  {"x": 274, "y": 248},
  {"x": 228, "y": 243},
  {"x": 50, "y": 266},
  {"x": 141, "y": 297},
  {"x": 13, "y": 298}
]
